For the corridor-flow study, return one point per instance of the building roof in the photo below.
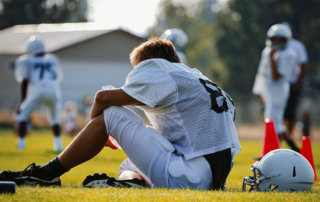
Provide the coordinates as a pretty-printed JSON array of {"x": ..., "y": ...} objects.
[{"x": 56, "y": 36}]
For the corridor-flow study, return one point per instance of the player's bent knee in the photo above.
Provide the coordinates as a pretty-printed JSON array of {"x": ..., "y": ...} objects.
[{"x": 98, "y": 120}]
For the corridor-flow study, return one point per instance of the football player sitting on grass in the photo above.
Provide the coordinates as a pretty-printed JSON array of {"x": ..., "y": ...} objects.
[{"x": 192, "y": 141}]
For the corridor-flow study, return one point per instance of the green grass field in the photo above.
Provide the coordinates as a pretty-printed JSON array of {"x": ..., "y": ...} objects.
[{"x": 39, "y": 150}]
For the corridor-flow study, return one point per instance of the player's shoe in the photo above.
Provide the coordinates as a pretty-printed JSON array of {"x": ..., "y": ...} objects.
[
  {"x": 103, "y": 180},
  {"x": 30, "y": 176}
]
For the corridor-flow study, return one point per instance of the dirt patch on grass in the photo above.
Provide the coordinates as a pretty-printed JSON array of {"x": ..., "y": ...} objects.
[
  {"x": 256, "y": 132},
  {"x": 245, "y": 131}
]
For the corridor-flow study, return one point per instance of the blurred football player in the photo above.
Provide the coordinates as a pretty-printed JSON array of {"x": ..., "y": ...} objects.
[
  {"x": 296, "y": 79},
  {"x": 192, "y": 140},
  {"x": 88, "y": 107},
  {"x": 70, "y": 115},
  {"x": 273, "y": 78},
  {"x": 39, "y": 74},
  {"x": 179, "y": 40}
]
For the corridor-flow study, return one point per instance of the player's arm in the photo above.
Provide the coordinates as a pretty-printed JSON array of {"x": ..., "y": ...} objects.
[
  {"x": 274, "y": 70},
  {"x": 303, "y": 60},
  {"x": 113, "y": 97},
  {"x": 23, "y": 91},
  {"x": 296, "y": 86},
  {"x": 303, "y": 72},
  {"x": 22, "y": 75}
]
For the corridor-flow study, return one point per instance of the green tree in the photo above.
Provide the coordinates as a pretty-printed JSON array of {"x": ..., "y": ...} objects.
[
  {"x": 226, "y": 41},
  {"x": 14, "y": 12},
  {"x": 193, "y": 18},
  {"x": 241, "y": 29}
]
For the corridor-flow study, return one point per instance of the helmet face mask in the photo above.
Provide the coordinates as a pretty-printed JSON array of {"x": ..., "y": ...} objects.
[
  {"x": 278, "y": 43},
  {"x": 281, "y": 170},
  {"x": 255, "y": 181}
]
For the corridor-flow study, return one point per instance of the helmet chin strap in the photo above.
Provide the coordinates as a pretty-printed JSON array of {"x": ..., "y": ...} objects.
[{"x": 278, "y": 46}]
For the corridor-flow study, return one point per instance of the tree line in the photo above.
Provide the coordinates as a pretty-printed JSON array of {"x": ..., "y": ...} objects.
[{"x": 226, "y": 40}]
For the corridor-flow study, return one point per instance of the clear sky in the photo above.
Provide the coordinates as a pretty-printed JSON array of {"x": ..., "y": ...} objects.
[{"x": 137, "y": 15}]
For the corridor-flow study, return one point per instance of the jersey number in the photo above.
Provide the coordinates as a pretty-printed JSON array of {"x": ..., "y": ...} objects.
[
  {"x": 216, "y": 94},
  {"x": 45, "y": 67}
]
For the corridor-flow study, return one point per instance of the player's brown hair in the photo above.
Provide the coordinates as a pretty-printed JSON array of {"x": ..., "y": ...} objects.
[{"x": 154, "y": 48}]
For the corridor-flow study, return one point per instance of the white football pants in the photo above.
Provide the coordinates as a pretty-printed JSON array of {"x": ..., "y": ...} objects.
[
  {"x": 35, "y": 97},
  {"x": 153, "y": 155},
  {"x": 276, "y": 113}
]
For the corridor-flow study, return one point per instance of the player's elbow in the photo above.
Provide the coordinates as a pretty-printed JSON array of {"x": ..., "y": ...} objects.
[
  {"x": 101, "y": 96},
  {"x": 98, "y": 97}
]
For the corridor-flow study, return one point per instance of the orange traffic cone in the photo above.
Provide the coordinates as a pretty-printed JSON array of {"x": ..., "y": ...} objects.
[
  {"x": 271, "y": 140},
  {"x": 306, "y": 151}
]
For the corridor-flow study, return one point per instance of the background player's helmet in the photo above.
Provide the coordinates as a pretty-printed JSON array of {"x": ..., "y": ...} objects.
[
  {"x": 69, "y": 105},
  {"x": 278, "y": 30},
  {"x": 177, "y": 37},
  {"x": 287, "y": 24},
  {"x": 281, "y": 169},
  {"x": 35, "y": 45}
]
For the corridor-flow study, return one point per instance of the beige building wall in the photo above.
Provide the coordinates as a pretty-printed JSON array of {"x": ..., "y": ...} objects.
[
  {"x": 114, "y": 46},
  {"x": 86, "y": 78},
  {"x": 87, "y": 66},
  {"x": 9, "y": 88}
]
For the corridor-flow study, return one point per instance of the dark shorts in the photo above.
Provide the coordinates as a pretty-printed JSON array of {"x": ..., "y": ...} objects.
[
  {"x": 220, "y": 164},
  {"x": 292, "y": 105}
]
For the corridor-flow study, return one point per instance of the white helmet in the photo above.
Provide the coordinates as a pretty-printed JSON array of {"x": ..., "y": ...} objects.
[
  {"x": 35, "y": 45},
  {"x": 281, "y": 169},
  {"x": 278, "y": 30},
  {"x": 177, "y": 37}
]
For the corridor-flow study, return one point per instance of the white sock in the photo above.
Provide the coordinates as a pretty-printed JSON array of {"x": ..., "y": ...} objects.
[
  {"x": 57, "y": 143},
  {"x": 21, "y": 143}
]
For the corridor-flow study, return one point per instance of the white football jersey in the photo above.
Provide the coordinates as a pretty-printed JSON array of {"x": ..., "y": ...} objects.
[
  {"x": 276, "y": 92},
  {"x": 302, "y": 55},
  {"x": 42, "y": 72},
  {"x": 184, "y": 106}
]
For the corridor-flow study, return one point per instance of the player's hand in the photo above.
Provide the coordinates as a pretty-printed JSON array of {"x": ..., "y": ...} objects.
[
  {"x": 261, "y": 101},
  {"x": 272, "y": 52},
  {"x": 17, "y": 110}
]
